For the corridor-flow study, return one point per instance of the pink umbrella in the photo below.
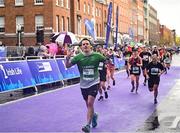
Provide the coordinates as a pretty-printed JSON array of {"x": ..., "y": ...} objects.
[{"x": 53, "y": 48}]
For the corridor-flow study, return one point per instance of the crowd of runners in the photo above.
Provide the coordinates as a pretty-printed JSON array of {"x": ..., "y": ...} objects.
[{"x": 96, "y": 66}]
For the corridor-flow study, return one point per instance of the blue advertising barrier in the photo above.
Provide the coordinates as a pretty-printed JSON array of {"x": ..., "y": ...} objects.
[
  {"x": 3, "y": 53},
  {"x": 68, "y": 73},
  {"x": 45, "y": 71},
  {"x": 15, "y": 75},
  {"x": 119, "y": 63}
]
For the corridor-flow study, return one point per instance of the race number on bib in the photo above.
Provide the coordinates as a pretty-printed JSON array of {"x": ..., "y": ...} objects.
[
  {"x": 100, "y": 66},
  {"x": 154, "y": 71},
  {"x": 168, "y": 61},
  {"x": 88, "y": 74},
  {"x": 145, "y": 57},
  {"x": 135, "y": 70}
]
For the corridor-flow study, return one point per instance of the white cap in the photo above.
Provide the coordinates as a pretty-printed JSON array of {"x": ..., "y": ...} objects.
[{"x": 154, "y": 46}]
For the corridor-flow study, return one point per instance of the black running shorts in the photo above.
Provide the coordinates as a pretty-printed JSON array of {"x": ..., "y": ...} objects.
[
  {"x": 92, "y": 91},
  {"x": 144, "y": 66},
  {"x": 153, "y": 81},
  {"x": 126, "y": 63},
  {"x": 102, "y": 75}
]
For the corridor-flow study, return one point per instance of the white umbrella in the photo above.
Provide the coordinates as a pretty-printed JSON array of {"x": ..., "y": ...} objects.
[{"x": 66, "y": 37}]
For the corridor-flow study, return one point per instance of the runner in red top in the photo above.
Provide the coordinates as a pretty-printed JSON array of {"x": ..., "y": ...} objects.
[{"x": 135, "y": 63}]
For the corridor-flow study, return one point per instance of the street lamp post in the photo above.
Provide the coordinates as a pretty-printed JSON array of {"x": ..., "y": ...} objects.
[{"x": 19, "y": 34}]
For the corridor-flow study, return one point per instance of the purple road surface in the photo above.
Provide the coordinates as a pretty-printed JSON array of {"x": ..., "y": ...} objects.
[{"x": 65, "y": 111}]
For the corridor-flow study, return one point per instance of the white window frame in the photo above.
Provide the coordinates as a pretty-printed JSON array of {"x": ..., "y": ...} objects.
[
  {"x": 57, "y": 24},
  {"x": 19, "y": 21},
  {"x": 2, "y": 25},
  {"x": 57, "y": 2},
  {"x": 38, "y": 2},
  {"x": 62, "y": 23},
  {"x": 67, "y": 4},
  {"x": 88, "y": 10},
  {"x": 68, "y": 24},
  {"x": 39, "y": 24},
  {"x": 96, "y": 11},
  {"x": 78, "y": 5},
  {"x": 99, "y": 12},
  {"x": 19, "y": 2},
  {"x": 84, "y": 7},
  {"x": 62, "y": 3},
  {"x": 2, "y": 3},
  {"x": 79, "y": 20}
]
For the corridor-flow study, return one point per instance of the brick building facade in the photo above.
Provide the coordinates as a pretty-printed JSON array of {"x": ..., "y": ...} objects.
[
  {"x": 63, "y": 15},
  {"x": 153, "y": 26},
  {"x": 140, "y": 5},
  {"x": 166, "y": 36}
]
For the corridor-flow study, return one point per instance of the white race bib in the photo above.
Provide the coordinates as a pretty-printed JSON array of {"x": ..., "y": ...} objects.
[
  {"x": 88, "y": 74},
  {"x": 135, "y": 70},
  {"x": 154, "y": 71},
  {"x": 145, "y": 57},
  {"x": 100, "y": 66}
]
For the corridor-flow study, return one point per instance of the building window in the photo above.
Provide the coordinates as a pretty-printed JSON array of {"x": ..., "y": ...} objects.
[
  {"x": 62, "y": 3},
  {"x": 86, "y": 31},
  {"x": 105, "y": 28},
  {"x": 99, "y": 12},
  {"x": 38, "y": 2},
  {"x": 2, "y": 24},
  {"x": 84, "y": 7},
  {"x": 57, "y": 23},
  {"x": 19, "y": 22},
  {"x": 96, "y": 11},
  {"x": 57, "y": 2},
  {"x": 68, "y": 24},
  {"x": 100, "y": 30},
  {"x": 88, "y": 10},
  {"x": 19, "y": 3},
  {"x": 78, "y": 4},
  {"x": 97, "y": 31},
  {"x": 67, "y": 4},
  {"x": 62, "y": 24},
  {"x": 1, "y": 3},
  {"x": 39, "y": 22},
  {"x": 79, "y": 25}
]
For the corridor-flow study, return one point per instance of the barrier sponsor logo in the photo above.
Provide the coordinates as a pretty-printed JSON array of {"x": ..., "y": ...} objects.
[
  {"x": 45, "y": 71},
  {"x": 15, "y": 75},
  {"x": 68, "y": 73},
  {"x": 44, "y": 66}
]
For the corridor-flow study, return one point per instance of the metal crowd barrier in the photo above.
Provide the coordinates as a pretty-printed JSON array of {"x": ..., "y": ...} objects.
[{"x": 28, "y": 72}]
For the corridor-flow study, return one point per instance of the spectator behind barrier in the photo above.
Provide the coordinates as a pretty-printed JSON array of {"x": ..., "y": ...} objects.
[
  {"x": 30, "y": 52},
  {"x": 43, "y": 51},
  {"x": 21, "y": 50}
]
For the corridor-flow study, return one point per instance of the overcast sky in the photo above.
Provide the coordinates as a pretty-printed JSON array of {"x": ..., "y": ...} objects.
[{"x": 168, "y": 13}]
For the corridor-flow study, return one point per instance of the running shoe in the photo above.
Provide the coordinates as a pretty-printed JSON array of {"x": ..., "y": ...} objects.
[
  {"x": 144, "y": 83},
  {"x": 86, "y": 128},
  {"x": 136, "y": 91},
  {"x": 94, "y": 120},
  {"x": 100, "y": 98},
  {"x": 108, "y": 88},
  {"x": 114, "y": 83},
  {"x": 155, "y": 101},
  {"x": 132, "y": 90},
  {"x": 106, "y": 94}
]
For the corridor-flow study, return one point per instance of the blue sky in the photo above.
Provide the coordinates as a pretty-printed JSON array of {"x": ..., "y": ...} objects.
[{"x": 168, "y": 11}]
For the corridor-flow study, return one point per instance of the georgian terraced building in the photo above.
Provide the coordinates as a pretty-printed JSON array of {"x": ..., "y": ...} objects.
[
  {"x": 49, "y": 15},
  {"x": 27, "y": 16}
]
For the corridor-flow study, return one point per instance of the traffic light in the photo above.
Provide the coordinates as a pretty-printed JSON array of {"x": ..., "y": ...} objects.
[{"x": 40, "y": 36}]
